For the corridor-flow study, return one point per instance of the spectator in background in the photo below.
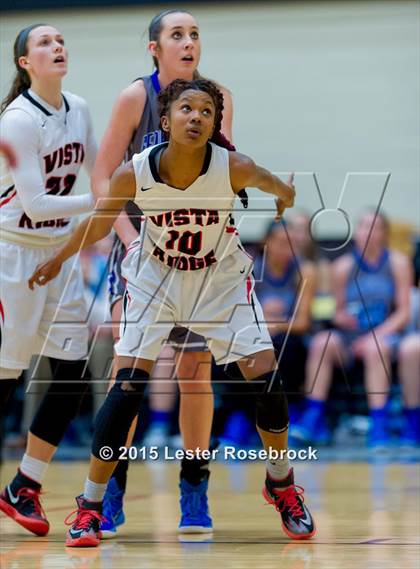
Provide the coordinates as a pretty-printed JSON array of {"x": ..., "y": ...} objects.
[
  {"x": 409, "y": 374},
  {"x": 306, "y": 248},
  {"x": 371, "y": 286},
  {"x": 299, "y": 230},
  {"x": 285, "y": 285}
]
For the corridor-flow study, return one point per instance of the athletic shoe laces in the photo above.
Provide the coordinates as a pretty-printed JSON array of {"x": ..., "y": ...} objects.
[
  {"x": 31, "y": 499},
  {"x": 84, "y": 518},
  {"x": 291, "y": 498}
]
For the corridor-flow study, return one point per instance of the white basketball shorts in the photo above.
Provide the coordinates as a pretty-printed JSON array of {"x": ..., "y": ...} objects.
[
  {"x": 216, "y": 302},
  {"x": 50, "y": 320}
]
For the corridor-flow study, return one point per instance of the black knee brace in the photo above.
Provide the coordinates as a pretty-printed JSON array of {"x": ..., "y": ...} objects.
[
  {"x": 7, "y": 387},
  {"x": 62, "y": 400},
  {"x": 272, "y": 409},
  {"x": 114, "y": 418}
]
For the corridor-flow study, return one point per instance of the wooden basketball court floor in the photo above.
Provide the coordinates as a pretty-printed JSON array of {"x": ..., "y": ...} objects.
[{"x": 367, "y": 516}]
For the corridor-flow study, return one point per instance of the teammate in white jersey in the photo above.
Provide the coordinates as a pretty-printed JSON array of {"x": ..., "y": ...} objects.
[
  {"x": 190, "y": 271},
  {"x": 51, "y": 134}
]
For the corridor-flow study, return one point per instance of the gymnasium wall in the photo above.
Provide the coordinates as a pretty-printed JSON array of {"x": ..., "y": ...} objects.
[{"x": 329, "y": 88}]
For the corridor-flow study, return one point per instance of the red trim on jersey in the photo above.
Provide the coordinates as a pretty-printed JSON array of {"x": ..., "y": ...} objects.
[
  {"x": 1, "y": 311},
  {"x": 7, "y": 200},
  {"x": 130, "y": 249},
  {"x": 249, "y": 289}
]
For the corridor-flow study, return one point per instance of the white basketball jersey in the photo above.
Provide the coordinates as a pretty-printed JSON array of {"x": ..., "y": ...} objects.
[
  {"x": 187, "y": 229},
  {"x": 63, "y": 139}
]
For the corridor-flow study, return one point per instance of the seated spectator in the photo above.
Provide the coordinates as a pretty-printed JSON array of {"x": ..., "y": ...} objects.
[
  {"x": 409, "y": 375},
  {"x": 371, "y": 287},
  {"x": 307, "y": 247},
  {"x": 285, "y": 286},
  {"x": 298, "y": 227}
]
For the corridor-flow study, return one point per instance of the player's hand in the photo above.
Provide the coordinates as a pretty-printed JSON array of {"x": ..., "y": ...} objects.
[
  {"x": 288, "y": 196},
  {"x": 45, "y": 273},
  {"x": 281, "y": 206},
  {"x": 282, "y": 203},
  {"x": 291, "y": 183},
  {"x": 345, "y": 321}
]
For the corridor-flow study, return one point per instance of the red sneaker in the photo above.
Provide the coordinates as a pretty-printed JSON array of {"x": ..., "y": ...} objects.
[
  {"x": 85, "y": 529},
  {"x": 25, "y": 508},
  {"x": 289, "y": 502}
]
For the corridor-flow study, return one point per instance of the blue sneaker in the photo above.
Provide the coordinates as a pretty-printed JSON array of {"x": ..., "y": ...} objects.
[
  {"x": 112, "y": 510},
  {"x": 311, "y": 428},
  {"x": 378, "y": 436},
  {"x": 410, "y": 433},
  {"x": 194, "y": 508}
]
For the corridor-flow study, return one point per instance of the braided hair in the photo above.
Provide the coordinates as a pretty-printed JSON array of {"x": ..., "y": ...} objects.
[{"x": 174, "y": 90}]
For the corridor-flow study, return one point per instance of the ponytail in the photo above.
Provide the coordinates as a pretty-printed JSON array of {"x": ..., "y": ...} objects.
[{"x": 21, "y": 81}]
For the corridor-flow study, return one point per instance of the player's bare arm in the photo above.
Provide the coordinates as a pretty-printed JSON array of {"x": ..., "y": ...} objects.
[
  {"x": 244, "y": 172},
  {"x": 125, "y": 118},
  {"x": 402, "y": 271},
  {"x": 340, "y": 273},
  {"x": 94, "y": 228}
]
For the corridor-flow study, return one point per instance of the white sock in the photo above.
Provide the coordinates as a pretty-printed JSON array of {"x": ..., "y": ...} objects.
[
  {"x": 33, "y": 468},
  {"x": 278, "y": 469},
  {"x": 93, "y": 491}
]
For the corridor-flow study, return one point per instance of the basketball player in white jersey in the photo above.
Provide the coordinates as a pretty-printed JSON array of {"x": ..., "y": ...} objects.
[
  {"x": 51, "y": 134},
  {"x": 189, "y": 270}
]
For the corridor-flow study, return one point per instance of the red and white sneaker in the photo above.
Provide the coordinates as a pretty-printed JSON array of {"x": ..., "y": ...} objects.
[
  {"x": 85, "y": 529},
  {"x": 25, "y": 508},
  {"x": 289, "y": 502}
]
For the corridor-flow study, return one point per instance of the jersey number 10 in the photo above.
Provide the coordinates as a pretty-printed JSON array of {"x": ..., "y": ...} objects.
[{"x": 185, "y": 242}]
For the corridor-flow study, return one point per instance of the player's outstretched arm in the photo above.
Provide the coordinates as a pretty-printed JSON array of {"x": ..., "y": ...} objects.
[
  {"x": 94, "y": 228},
  {"x": 244, "y": 172}
]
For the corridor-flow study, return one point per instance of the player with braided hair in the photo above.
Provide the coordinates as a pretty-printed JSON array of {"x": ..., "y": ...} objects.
[
  {"x": 175, "y": 88},
  {"x": 189, "y": 269}
]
